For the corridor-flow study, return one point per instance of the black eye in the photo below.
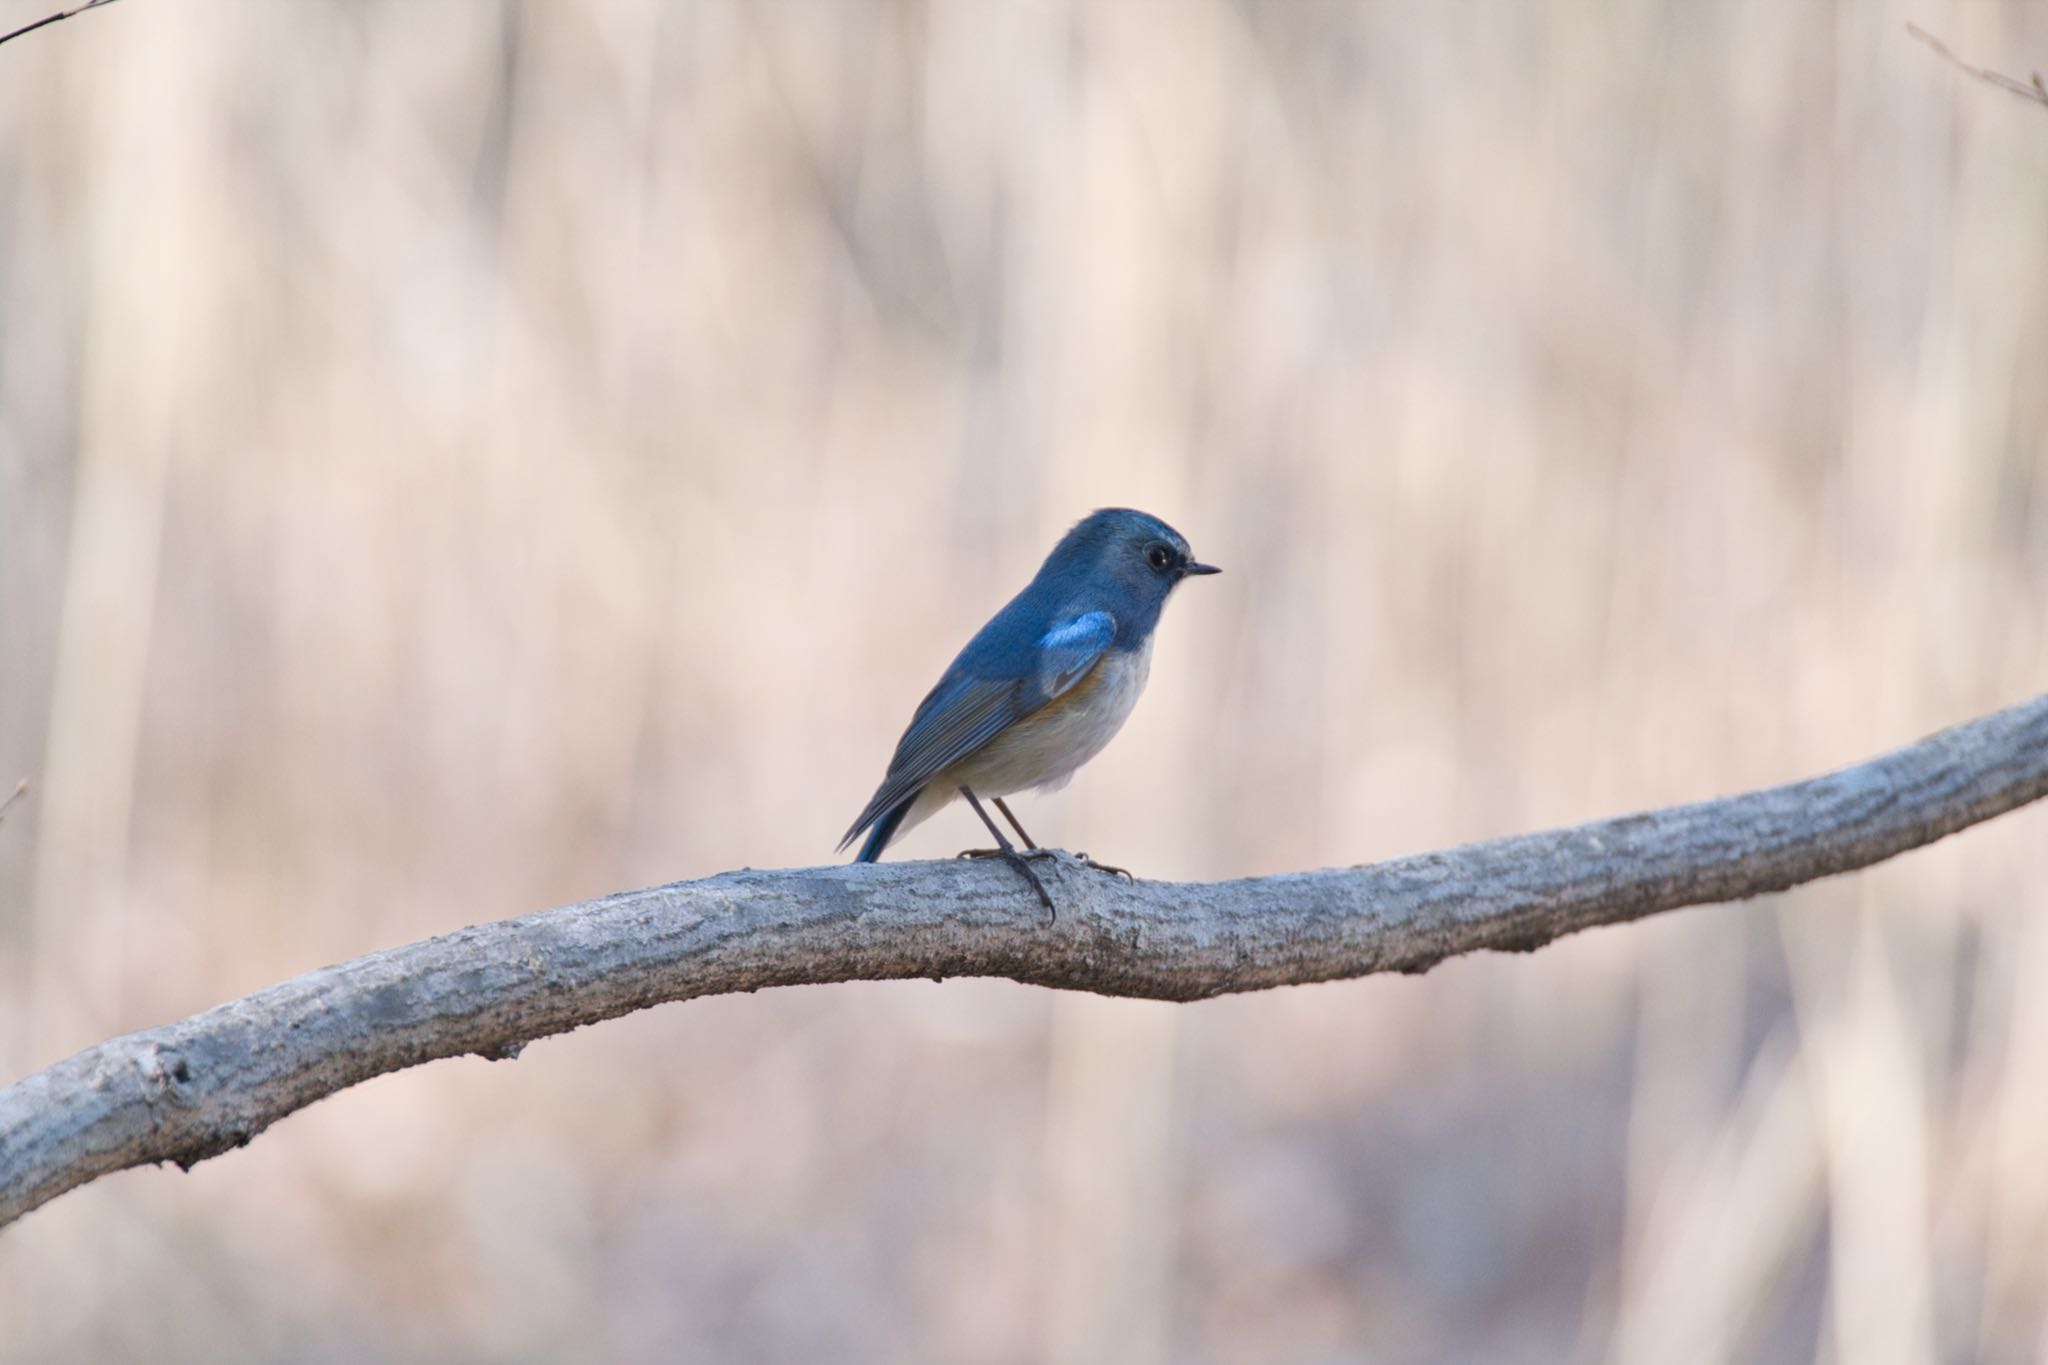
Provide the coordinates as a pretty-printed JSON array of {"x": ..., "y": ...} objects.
[{"x": 1159, "y": 557}]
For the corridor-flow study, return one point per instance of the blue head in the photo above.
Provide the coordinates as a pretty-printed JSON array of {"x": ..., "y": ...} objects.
[{"x": 1119, "y": 561}]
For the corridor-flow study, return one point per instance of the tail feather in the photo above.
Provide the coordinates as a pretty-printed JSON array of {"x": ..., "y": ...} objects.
[{"x": 884, "y": 829}]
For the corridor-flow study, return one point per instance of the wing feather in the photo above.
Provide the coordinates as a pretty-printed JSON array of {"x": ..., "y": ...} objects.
[
  {"x": 1067, "y": 652},
  {"x": 965, "y": 712}
]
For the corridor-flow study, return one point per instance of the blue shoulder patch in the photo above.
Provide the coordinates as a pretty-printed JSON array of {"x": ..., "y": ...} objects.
[{"x": 1069, "y": 650}]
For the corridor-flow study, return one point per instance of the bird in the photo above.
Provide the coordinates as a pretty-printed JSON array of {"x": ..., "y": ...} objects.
[{"x": 1040, "y": 689}]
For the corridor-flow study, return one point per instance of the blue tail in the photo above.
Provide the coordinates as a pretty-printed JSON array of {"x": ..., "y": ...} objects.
[{"x": 885, "y": 829}]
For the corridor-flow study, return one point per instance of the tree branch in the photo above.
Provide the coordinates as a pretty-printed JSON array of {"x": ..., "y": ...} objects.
[{"x": 194, "y": 1089}]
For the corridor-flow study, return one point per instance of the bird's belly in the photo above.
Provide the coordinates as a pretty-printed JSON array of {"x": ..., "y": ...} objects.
[{"x": 1045, "y": 748}]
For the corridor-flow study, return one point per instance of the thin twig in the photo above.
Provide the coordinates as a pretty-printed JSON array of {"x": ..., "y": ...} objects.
[
  {"x": 191, "y": 1090},
  {"x": 20, "y": 790},
  {"x": 53, "y": 18},
  {"x": 2034, "y": 89}
]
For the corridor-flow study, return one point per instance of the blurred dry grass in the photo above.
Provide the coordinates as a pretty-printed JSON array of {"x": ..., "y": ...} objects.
[{"x": 459, "y": 457}]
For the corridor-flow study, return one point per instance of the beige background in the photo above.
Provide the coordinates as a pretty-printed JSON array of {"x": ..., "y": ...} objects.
[{"x": 460, "y": 457}]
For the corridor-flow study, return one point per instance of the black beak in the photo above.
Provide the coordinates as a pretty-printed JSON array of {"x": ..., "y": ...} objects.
[{"x": 1190, "y": 569}]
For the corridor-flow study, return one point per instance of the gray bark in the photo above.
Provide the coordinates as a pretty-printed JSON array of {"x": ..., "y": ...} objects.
[{"x": 200, "y": 1087}]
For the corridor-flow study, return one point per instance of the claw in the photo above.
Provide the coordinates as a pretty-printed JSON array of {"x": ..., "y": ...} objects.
[
  {"x": 1089, "y": 862},
  {"x": 1019, "y": 858},
  {"x": 1022, "y": 862}
]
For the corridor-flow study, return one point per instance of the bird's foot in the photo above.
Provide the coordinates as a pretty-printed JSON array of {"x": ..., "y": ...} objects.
[
  {"x": 1088, "y": 862},
  {"x": 1022, "y": 862}
]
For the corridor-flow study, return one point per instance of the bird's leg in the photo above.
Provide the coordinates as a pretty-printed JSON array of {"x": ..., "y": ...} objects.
[
  {"x": 1033, "y": 850},
  {"x": 1007, "y": 853},
  {"x": 1004, "y": 807}
]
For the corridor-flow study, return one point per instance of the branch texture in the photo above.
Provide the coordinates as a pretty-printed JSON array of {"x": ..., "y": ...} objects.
[{"x": 197, "y": 1088}]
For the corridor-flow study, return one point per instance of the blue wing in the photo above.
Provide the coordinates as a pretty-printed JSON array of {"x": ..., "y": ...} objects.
[
  {"x": 969, "y": 708},
  {"x": 1067, "y": 652}
]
